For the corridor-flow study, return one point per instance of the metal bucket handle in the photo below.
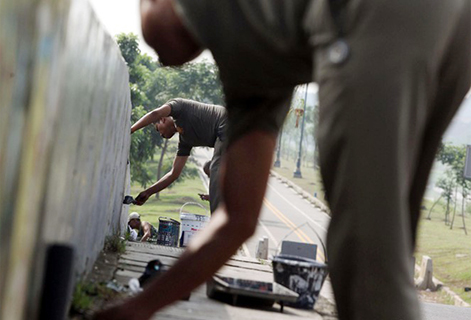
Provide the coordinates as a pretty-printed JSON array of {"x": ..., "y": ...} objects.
[
  {"x": 169, "y": 219},
  {"x": 195, "y": 204},
  {"x": 315, "y": 232}
]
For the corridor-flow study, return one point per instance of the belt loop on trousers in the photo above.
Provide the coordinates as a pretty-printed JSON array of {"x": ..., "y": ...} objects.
[{"x": 339, "y": 51}]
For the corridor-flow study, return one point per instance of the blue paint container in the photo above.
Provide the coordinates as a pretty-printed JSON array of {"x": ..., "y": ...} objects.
[{"x": 169, "y": 232}]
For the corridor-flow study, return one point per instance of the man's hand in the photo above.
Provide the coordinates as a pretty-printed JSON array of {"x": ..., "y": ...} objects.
[
  {"x": 142, "y": 198},
  {"x": 204, "y": 197}
]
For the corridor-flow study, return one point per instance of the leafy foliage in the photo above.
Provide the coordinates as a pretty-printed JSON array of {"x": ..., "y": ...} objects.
[
  {"x": 447, "y": 183},
  {"x": 129, "y": 47},
  {"x": 454, "y": 158},
  {"x": 114, "y": 243},
  {"x": 81, "y": 300}
]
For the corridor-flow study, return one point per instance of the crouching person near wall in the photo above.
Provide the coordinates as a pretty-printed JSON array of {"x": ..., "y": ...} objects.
[{"x": 145, "y": 230}]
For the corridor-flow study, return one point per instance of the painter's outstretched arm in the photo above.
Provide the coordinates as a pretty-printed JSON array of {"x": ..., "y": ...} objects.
[
  {"x": 244, "y": 173},
  {"x": 177, "y": 168},
  {"x": 152, "y": 117}
]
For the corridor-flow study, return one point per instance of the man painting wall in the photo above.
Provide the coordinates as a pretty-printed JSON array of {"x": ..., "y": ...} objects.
[{"x": 198, "y": 125}]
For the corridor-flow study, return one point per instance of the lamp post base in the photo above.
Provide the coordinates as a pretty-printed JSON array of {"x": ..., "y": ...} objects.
[{"x": 297, "y": 173}]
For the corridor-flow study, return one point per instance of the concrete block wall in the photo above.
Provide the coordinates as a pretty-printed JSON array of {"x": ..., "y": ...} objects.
[{"x": 64, "y": 142}]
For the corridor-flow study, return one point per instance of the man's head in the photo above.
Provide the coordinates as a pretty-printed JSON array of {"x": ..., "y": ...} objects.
[
  {"x": 164, "y": 31},
  {"x": 134, "y": 220},
  {"x": 166, "y": 127}
]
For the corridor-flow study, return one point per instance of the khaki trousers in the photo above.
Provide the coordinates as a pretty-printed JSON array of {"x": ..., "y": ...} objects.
[
  {"x": 214, "y": 192},
  {"x": 382, "y": 115}
]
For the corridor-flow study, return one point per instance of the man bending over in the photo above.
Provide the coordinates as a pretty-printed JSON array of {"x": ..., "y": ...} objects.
[{"x": 198, "y": 125}]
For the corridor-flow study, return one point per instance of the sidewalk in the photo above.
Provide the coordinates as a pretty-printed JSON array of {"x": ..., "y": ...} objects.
[{"x": 132, "y": 264}]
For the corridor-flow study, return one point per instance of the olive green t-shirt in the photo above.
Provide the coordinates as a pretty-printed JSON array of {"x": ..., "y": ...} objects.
[
  {"x": 199, "y": 124},
  {"x": 262, "y": 50}
]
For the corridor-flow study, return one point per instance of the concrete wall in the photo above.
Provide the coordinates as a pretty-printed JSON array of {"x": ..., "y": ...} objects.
[{"x": 64, "y": 141}]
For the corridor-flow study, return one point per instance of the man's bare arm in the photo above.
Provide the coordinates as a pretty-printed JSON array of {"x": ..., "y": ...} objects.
[
  {"x": 147, "y": 231},
  {"x": 178, "y": 165},
  {"x": 152, "y": 117}
]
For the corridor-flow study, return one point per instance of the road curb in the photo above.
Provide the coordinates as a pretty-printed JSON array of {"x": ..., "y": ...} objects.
[
  {"x": 451, "y": 294},
  {"x": 306, "y": 195}
]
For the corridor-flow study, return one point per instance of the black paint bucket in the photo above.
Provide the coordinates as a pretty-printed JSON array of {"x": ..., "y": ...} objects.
[
  {"x": 303, "y": 276},
  {"x": 169, "y": 232},
  {"x": 57, "y": 282}
]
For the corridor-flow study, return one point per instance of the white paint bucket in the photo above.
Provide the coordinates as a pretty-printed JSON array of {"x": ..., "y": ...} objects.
[{"x": 191, "y": 223}]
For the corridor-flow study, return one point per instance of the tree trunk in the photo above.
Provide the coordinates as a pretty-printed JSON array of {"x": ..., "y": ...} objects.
[
  {"x": 453, "y": 219},
  {"x": 285, "y": 149},
  {"x": 314, "y": 157},
  {"x": 161, "y": 161},
  {"x": 305, "y": 153},
  {"x": 290, "y": 143},
  {"x": 447, "y": 210},
  {"x": 430, "y": 212},
  {"x": 454, "y": 207},
  {"x": 463, "y": 202}
]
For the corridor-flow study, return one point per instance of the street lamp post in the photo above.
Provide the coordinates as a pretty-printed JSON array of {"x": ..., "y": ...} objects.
[
  {"x": 297, "y": 172},
  {"x": 277, "y": 163}
]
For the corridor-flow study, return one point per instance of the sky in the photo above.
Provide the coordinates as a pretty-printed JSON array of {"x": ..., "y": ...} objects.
[{"x": 119, "y": 16}]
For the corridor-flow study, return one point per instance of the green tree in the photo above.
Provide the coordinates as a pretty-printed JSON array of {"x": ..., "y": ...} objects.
[
  {"x": 143, "y": 142},
  {"x": 454, "y": 158},
  {"x": 142, "y": 149},
  {"x": 129, "y": 47},
  {"x": 447, "y": 184}
]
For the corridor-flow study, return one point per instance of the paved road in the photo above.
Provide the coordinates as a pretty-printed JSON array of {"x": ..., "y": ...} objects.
[
  {"x": 284, "y": 216},
  {"x": 433, "y": 311},
  {"x": 287, "y": 216}
]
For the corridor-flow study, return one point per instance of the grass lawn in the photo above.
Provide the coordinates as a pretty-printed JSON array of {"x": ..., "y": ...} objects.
[
  {"x": 310, "y": 181},
  {"x": 171, "y": 199},
  {"x": 450, "y": 250}
]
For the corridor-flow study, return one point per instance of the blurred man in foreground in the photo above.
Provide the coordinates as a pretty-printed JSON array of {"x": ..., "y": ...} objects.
[{"x": 391, "y": 76}]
